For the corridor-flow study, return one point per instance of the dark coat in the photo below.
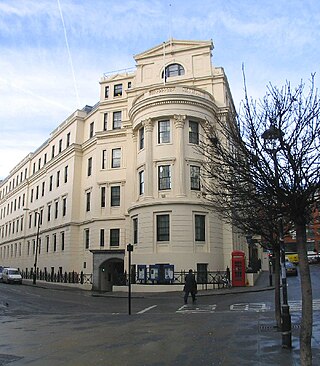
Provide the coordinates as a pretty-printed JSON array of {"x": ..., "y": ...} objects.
[{"x": 190, "y": 283}]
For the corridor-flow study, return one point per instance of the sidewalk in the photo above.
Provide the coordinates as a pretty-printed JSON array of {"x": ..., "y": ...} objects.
[{"x": 262, "y": 284}]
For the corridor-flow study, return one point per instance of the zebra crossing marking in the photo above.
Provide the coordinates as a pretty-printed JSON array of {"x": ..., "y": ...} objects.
[
  {"x": 196, "y": 309},
  {"x": 297, "y": 305},
  {"x": 257, "y": 307}
]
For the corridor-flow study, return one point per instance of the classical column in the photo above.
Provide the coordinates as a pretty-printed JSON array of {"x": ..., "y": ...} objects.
[
  {"x": 148, "y": 129},
  {"x": 134, "y": 165},
  {"x": 180, "y": 186}
]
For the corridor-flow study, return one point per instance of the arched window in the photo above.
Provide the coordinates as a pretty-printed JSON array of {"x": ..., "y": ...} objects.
[{"x": 173, "y": 70}]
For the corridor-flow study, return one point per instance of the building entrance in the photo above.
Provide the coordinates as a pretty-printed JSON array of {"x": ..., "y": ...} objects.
[{"x": 108, "y": 269}]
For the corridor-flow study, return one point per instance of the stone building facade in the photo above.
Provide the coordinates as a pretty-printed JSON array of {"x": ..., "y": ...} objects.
[{"x": 124, "y": 171}]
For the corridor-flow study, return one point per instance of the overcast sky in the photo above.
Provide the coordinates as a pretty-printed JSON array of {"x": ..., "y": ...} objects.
[{"x": 53, "y": 52}]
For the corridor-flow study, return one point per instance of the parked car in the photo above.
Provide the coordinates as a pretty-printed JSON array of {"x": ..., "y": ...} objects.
[
  {"x": 291, "y": 269},
  {"x": 11, "y": 275}
]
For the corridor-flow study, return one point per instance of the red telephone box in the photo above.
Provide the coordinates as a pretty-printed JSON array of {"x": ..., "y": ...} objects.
[{"x": 238, "y": 269}]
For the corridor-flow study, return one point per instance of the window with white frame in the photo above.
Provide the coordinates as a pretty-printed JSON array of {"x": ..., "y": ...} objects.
[
  {"x": 116, "y": 158},
  {"x": 115, "y": 196},
  {"x": 117, "y": 90},
  {"x": 103, "y": 197},
  {"x": 141, "y": 138},
  {"x": 200, "y": 227},
  {"x": 163, "y": 132},
  {"x": 104, "y": 159},
  {"x": 135, "y": 230},
  {"x": 114, "y": 237},
  {"x": 89, "y": 172},
  {"x": 141, "y": 182},
  {"x": 86, "y": 238},
  {"x": 163, "y": 227},
  {"x": 193, "y": 132},
  {"x": 105, "y": 122},
  {"x": 116, "y": 122},
  {"x": 164, "y": 177},
  {"x": 195, "y": 177}
]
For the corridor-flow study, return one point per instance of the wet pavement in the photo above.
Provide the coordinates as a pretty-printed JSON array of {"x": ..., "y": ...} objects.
[{"x": 185, "y": 337}]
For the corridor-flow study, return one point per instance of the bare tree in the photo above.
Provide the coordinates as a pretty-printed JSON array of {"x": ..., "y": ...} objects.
[{"x": 262, "y": 166}]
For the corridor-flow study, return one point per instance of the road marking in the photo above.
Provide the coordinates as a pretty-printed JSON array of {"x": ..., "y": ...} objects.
[
  {"x": 147, "y": 309},
  {"x": 257, "y": 307},
  {"x": 196, "y": 309},
  {"x": 297, "y": 305}
]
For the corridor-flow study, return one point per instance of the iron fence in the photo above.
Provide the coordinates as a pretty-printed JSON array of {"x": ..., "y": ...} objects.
[{"x": 59, "y": 277}]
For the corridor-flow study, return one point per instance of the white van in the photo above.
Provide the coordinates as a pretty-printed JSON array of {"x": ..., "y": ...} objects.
[{"x": 11, "y": 275}]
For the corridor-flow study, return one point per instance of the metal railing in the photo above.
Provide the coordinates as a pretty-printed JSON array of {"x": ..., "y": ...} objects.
[{"x": 59, "y": 277}]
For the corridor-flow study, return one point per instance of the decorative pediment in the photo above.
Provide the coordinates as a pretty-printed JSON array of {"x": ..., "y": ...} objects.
[{"x": 174, "y": 46}]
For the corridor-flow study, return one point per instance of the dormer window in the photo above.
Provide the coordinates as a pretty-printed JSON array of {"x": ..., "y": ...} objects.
[{"x": 173, "y": 70}]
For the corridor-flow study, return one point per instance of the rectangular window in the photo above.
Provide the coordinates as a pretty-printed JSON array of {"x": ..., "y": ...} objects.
[
  {"x": 58, "y": 178},
  {"x": 64, "y": 206},
  {"x": 141, "y": 182},
  {"x": 163, "y": 132},
  {"x": 195, "y": 177},
  {"x": 88, "y": 199},
  {"x": 116, "y": 122},
  {"x": 163, "y": 228},
  {"x": 87, "y": 238},
  {"x": 39, "y": 166},
  {"x": 56, "y": 209},
  {"x": 103, "y": 196},
  {"x": 31, "y": 195},
  {"x": 54, "y": 242},
  {"x": 43, "y": 189},
  {"x": 106, "y": 91},
  {"x": 50, "y": 182},
  {"x": 114, "y": 237},
  {"x": 194, "y": 132},
  {"x": 135, "y": 230},
  {"x": 89, "y": 167},
  {"x": 37, "y": 193},
  {"x": 45, "y": 159},
  {"x": 117, "y": 91},
  {"x": 115, "y": 196},
  {"x": 164, "y": 177},
  {"x": 105, "y": 122},
  {"x": 141, "y": 138},
  {"x": 91, "y": 131},
  {"x": 68, "y": 139},
  {"x": 101, "y": 237},
  {"x": 52, "y": 152},
  {"x": 62, "y": 241},
  {"x": 200, "y": 227},
  {"x": 129, "y": 84},
  {"x": 47, "y": 243},
  {"x": 60, "y": 145},
  {"x": 66, "y": 174},
  {"x": 49, "y": 213},
  {"x": 116, "y": 158},
  {"x": 104, "y": 159}
]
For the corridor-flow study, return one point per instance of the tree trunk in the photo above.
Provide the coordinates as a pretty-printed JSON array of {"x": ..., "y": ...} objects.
[
  {"x": 277, "y": 298},
  {"x": 306, "y": 292}
]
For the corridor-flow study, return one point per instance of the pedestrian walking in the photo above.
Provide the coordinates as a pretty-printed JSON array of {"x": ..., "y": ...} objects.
[{"x": 190, "y": 286}]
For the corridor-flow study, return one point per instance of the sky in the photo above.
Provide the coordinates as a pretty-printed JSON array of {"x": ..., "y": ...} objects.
[{"x": 54, "y": 52}]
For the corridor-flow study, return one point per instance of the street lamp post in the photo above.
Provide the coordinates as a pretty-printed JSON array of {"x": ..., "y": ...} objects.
[
  {"x": 273, "y": 134},
  {"x": 129, "y": 250}
]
